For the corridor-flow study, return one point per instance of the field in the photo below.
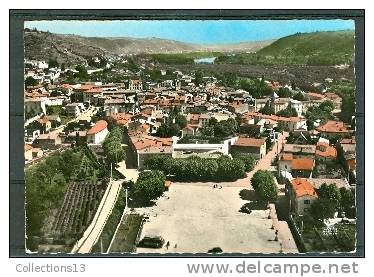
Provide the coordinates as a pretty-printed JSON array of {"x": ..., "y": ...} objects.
[
  {"x": 80, "y": 204},
  {"x": 302, "y": 76},
  {"x": 127, "y": 233}
]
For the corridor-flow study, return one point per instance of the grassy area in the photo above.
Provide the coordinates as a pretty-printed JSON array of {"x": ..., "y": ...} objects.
[
  {"x": 318, "y": 48},
  {"x": 127, "y": 234},
  {"x": 111, "y": 225},
  {"x": 66, "y": 118}
]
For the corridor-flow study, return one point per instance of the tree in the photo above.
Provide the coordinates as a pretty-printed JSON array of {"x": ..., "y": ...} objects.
[
  {"x": 347, "y": 200},
  {"x": 30, "y": 82},
  {"x": 229, "y": 169},
  {"x": 82, "y": 72},
  {"x": 288, "y": 112},
  {"x": 112, "y": 145},
  {"x": 284, "y": 92},
  {"x": 299, "y": 96},
  {"x": 327, "y": 106},
  {"x": 198, "y": 78},
  {"x": 331, "y": 193},
  {"x": 348, "y": 108},
  {"x": 266, "y": 109},
  {"x": 248, "y": 160},
  {"x": 156, "y": 162},
  {"x": 322, "y": 208},
  {"x": 168, "y": 129},
  {"x": 52, "y": 62},
  {"x": 265, "y": 186},
  {"x": 181, "y": 121},
  {"x": 150, "y": 185}
]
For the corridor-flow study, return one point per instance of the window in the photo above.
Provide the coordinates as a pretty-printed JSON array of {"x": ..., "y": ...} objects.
[{"x": 307, "y": 202}]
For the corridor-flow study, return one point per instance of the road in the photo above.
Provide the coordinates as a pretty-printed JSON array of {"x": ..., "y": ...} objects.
[
  {"x": 87, "y": 114},
  {"x": 93, "y": 232}
]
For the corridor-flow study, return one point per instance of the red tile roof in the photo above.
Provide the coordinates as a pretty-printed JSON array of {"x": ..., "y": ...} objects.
[
  {"x": 325, "y": 150},
  {"x": 303, "y": 187},
  {"x": 249, "y": 142},
  {"x": 332, "y": 126},
  {"x": 302, "y": 164},
  {"x": 285, "y": 156},
  {"x": 98, "y": 127}
]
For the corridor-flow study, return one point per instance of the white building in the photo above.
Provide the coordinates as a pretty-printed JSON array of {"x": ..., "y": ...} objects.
[{"x": 98, "y": 132}]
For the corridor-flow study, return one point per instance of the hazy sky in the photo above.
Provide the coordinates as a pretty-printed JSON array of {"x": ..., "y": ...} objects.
[{"x": 193, "y": 31}]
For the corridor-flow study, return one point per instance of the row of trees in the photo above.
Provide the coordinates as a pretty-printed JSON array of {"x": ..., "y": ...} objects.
[
  {"x": 112, "y": 145},
  {"x": 264, "y": 185},
  {"x": 199, "y": 169},
  {"x": 330, "y": 200}
]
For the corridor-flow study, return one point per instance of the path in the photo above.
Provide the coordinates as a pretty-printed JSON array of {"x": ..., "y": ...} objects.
[
  {"x": 87, "y": 114},
  {"x": 130, "y": 174},
  {"x": 93, "y": 232}
]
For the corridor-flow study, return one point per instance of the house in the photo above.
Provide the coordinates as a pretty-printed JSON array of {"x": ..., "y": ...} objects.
[
  {"x": 297, "y": 105},
  {"x": 300, "y": 150},
  {"x": 98, "y": 132},
  {"x": 302, "y": 194},
  {"x": 32, "y": 153},
  {"x": 339, "y": 183},
  {"x": 143, "y": 146},
  {"x": 48, "y": 141},
  {"x": 335, "y": 99},
  {"x": 260, "y": 103},
  {"x": 35, "y": 105},
  {"x": 302, "y": 167},
  {"x": 28, "y": 152},
  {"x": 122, "y": 119},
  {"x": 334, "y": 128},
  {"x": 324, "y": 151},
  {"x": 279, "y": 104},
  {"x": 74, "y": 109},
  {"x": 135, "y": 85},
  {"x": 76, "y": 136},
  {"x": 253, "y": 146},
  {"x": 54, "y": 119},
  {"x": 285, "y": 162},
  {"x": 44, "y": 124},
  {"x": 91, "y": 95}
]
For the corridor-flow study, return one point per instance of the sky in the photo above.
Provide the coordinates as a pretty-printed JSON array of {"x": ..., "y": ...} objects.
[{"x": 192, "y": 31}]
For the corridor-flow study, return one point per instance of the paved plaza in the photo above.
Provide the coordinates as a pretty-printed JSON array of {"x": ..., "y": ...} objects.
[{"x": 195, "y": 219}]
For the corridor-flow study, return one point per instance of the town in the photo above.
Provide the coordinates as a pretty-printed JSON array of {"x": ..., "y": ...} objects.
[{"x": 125, "y": 155}]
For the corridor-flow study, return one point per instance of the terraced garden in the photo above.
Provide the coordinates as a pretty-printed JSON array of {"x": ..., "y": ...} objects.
[{"x": 80, "y": 203}]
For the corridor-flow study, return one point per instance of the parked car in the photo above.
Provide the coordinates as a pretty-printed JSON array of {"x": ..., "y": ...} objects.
[{"x": 151, "y": 242}]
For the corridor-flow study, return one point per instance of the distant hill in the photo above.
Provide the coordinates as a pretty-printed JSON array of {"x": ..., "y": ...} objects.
[
  {"x": 73, "y": 48},
  {"x": 318, "y": 48}
]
